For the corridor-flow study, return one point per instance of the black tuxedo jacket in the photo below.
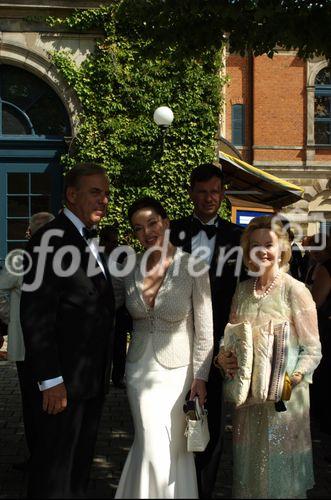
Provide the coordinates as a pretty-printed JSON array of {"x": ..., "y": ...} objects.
[
  {"x": 67, "y": 321},
  {"x": 222, "y": 286}
]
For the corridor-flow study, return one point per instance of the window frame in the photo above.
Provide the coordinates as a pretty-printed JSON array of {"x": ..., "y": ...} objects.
[{"x": 322, "y": 90}]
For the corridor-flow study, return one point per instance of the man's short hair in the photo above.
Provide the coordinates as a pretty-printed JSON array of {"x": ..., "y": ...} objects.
[
  {"x": 205, "y": 172},
  {"x": 73, "y": 177},
  {"x": 39, "y": 219}
]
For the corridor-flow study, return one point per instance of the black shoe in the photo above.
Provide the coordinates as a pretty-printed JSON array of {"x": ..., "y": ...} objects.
[
  {"x": 21, "y": 466},
  {"x": 120, "y": 384}
]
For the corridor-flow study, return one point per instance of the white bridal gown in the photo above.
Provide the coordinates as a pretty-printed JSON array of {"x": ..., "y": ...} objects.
[{"x": 158, "y": 464}]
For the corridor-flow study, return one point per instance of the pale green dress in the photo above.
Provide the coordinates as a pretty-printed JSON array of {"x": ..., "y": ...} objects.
[{"x": 272, "y": 450}]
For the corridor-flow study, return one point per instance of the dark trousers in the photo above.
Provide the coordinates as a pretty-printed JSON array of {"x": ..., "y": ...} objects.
[
  {"x": 62, "y": 457},
  {"x": 207, "y": 462},
  {"x": 29, "y": 393}
]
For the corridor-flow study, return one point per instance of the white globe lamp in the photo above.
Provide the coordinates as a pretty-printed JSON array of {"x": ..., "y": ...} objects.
[{"x": 163, "y": 116}]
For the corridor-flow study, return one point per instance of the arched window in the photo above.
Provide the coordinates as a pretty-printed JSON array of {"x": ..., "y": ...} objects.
[
  {"x": 28, "y": 106},
  {"x": 323, "y": 107},
  {"x": 33, "y": 126}
]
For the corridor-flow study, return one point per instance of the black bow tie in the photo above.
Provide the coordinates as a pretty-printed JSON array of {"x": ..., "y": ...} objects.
[
  {"x": 197, "y": 226},
  {"x": 89, "y": 233}
]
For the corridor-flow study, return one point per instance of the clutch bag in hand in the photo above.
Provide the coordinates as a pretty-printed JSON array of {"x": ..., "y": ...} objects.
[{"x": 238, "y": 339}]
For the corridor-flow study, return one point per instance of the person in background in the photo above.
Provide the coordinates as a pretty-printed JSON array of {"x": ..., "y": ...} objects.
[
  {"x": 123, "y": 321},
  {"x": 205, "y": 229},
  {"x": 296, "y": 263},
  {"x": 272, "y": 450},
  {"x": 321, "y": 292},
  {"x": 306, "y": 258},
  {"x": 11, "y": 284}
]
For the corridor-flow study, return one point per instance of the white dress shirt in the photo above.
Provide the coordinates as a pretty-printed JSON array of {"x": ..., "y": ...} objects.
[
  {"x": 93, "y": 245},
  {"x": 201, "y": 240}
]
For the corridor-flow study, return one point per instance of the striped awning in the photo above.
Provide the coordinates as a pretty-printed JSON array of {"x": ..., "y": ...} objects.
[{"x": 252, "y": 184}]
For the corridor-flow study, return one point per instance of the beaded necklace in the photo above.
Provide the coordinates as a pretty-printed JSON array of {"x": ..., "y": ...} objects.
[{"x": 268, "y": 289}]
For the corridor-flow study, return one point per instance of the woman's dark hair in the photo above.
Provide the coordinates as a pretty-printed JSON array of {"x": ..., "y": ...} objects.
[
  {"x": 147, "y": 202},
  {"x": 205, "y": 172}
]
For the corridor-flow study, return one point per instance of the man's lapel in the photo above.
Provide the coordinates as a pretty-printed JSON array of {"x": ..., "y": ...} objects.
[{"x": 218, "y": 244}]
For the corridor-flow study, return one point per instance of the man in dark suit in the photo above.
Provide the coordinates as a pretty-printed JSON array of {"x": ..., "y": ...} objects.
[
  {"x": 219, "y": 239},
  {"x": 123, "y": 320},
  {"x": 67, "y": 313}
]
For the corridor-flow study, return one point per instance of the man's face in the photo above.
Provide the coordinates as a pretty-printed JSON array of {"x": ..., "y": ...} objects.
[
  {"x": 89, "y": 199},
  {"x": 207, "y": 197}
]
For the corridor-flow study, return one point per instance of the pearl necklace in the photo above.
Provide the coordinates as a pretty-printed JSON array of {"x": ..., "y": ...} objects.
[{"x": 268, "y": 289}]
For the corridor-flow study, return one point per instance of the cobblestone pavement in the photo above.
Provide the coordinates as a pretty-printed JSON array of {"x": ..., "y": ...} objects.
[{"x": 114, "y": 439}]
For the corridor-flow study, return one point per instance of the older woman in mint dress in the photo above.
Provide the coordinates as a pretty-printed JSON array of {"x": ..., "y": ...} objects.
[{"x": 272, "y": 450}]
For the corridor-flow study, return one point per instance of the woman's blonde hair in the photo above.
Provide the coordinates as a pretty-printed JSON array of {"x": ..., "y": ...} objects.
[{"x": 273, "y": 223}]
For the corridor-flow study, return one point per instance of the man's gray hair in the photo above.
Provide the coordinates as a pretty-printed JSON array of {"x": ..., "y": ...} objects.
[{"x": 39, "y": 219}]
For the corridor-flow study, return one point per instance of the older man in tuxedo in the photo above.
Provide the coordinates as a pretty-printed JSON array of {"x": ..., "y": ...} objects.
[
  {"x": 67, "y": 313},
  {"x": 205, "y": 231}
]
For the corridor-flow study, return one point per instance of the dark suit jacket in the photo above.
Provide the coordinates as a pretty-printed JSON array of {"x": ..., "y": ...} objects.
[
  {"x": 68, "y": 321},
  {"x": 222, "y": 286}
]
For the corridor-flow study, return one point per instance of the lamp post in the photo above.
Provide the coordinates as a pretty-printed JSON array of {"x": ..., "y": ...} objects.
[{"x": 163, "y": 117}]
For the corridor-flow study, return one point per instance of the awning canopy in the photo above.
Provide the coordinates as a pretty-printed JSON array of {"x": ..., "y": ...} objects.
[{"x": 254, "y": 185}]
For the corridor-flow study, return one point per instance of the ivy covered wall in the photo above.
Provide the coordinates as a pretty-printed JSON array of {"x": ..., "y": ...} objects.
[{"x": 132, "y": 72}]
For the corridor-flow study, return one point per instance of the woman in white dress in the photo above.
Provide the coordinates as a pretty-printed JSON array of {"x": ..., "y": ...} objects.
[
  {"x": 170, "y": 354},
  {"x": 272, "y": 452}
]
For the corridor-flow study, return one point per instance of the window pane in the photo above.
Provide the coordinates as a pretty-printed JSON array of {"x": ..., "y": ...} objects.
[
  {"x": 18, "y": 206},
  {"x": 322, "y": 133},
  {"x": 34, "y": 97},
  {"x": 40, "y": 204},
  {"x": 19, "y": 86},
  {"x": 12, "y": 245},
  {"x": 323, "y": 77},
  {"x": 13, "y": 123},
  {"x": 18, "y": 183},
  {"x": 238, "y": 124},
  {"x": 49, "y": 117},
  {"x": 16, "y": 228},
  {"x": 323, "y": 107},
  {"x": 41, "y": 183}
]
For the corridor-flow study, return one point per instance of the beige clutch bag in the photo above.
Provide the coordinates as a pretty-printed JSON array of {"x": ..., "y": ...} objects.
[{"x": 238, "y": 339}]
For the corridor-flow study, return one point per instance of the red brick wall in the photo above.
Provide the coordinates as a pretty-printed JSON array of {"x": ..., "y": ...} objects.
[
  {"x": 279, "y": 101},
  {"x": 275, "y": 97}
]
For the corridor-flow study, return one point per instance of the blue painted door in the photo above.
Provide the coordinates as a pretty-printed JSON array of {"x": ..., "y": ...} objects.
[{"x": 28, "y": 184}]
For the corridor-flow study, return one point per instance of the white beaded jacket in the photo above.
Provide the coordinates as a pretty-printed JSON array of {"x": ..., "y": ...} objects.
[{"x": 181, "y": 321}]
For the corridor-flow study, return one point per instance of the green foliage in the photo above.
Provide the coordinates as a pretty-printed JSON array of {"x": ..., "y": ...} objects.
[{"x": 120, "y": 85}]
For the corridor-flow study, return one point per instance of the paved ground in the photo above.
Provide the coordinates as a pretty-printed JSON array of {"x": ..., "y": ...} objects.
[{"x": 114, "y": 441}]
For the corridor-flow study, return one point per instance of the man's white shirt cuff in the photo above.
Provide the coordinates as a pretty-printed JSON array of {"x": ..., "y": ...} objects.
[{"x": 51, "y": 382}]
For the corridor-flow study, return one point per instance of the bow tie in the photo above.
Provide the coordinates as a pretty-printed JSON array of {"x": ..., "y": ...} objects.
[
  {"x": 89, "y": 233},
  {"x": 197, "y": 226}
]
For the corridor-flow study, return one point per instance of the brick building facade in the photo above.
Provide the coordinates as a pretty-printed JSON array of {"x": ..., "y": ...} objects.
[{"x": 278, "y": 116}]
